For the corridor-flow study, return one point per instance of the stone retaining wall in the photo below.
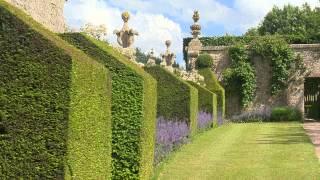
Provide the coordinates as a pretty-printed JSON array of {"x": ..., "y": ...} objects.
[{"x": 47, "y": 12}]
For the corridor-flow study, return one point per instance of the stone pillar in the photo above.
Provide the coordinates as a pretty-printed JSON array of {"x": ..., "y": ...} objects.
[{"x": 195, "y": 45}]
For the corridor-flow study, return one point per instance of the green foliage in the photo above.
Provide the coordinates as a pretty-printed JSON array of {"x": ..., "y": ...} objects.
[
  {"x": 204, "y": 61},
  {"x": 35, "y": 110},
  {"x": 292, "y": 20},
  {"x": 176, "y": 98},
  {"x": 240, "y": 77},
  {"x": 247, "y": 39},
  {"x": 133, "y": 109},
  {"x": 281, "y": 56},
  {"x": 35, "y": 81},
  {"x": 214, "y": 86},
  {"x": 141, "y": 57},
  {"x": 207, "y": 101},
  {"x": 285, "y": 114},
  {"x": 89, "y": 136}
]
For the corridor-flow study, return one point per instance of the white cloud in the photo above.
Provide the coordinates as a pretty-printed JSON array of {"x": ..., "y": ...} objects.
[
  {"x": 153, "y": 29},
  {"x": 158, "y": 20}
]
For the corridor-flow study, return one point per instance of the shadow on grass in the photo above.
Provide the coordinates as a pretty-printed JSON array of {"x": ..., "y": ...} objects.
[{"x": 284, "y": 135}]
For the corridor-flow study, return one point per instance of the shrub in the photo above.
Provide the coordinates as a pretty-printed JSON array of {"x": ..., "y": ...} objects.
[
  {"x": 285, "y": 114},
  {"x": 133, "y": 109},
  {"x": 177, "y": 100},
  {"x": 41, "y": 81},
  {"x": 257, "y": 115},
  {"x": 214, "y": 86},
  {"x": 207, "y": 104},
  {"x": 204, "y": 61}
]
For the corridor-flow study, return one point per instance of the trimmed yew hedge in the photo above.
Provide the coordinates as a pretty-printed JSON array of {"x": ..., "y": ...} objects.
[
  {"x": 44, "y": 103},
  {"x": 214, "y": 86},
  {"x": 176, "y": 98},
  {"x": 207, "y": 101},
  {"x": 133, "y": 109}
]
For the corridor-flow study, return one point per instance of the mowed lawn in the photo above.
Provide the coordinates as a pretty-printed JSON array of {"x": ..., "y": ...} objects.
[{"x": 245, "y": 151}]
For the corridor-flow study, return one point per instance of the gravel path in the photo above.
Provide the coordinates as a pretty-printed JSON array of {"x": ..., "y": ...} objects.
[{"x": 313, "y": 130}]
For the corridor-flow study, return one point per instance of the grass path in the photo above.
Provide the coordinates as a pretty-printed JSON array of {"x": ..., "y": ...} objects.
[{"x": 246, "y": 151}]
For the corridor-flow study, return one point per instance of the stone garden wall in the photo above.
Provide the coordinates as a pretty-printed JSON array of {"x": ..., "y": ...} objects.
[
  {"x": 47, "y": 12},
  {"x": 293, "y": 96}
]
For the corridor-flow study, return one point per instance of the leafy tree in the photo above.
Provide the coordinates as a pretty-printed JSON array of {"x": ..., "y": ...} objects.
[
  {"x": 141, "y": 57},
  {"x": 303, "y": 22}
]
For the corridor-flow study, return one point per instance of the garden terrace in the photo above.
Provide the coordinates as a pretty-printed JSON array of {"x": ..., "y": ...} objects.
[
  {"x": 133, "y": 109},
  {"x": 51, "y": 122}
]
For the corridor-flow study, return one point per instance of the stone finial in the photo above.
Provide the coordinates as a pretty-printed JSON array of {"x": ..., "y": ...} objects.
[
  {"x": 152, "y": 59},
  {"x": 195, "y": 45},
  {"x": 125, "y": 36},
  {"x": 168, "y": 57},
  {"x": 195, "y": 28}
]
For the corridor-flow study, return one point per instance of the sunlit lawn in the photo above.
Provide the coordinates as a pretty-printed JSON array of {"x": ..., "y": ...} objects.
[{"x": 246, "y": 151}]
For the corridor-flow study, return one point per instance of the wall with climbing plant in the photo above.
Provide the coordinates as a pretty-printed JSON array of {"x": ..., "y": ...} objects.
[{"x": 279, "y": 69}]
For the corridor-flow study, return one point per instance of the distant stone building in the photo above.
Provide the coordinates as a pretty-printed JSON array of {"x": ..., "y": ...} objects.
[{"x": 47, "y": 12}]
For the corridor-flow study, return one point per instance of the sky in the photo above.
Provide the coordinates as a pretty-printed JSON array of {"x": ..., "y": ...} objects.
[{"x": 161, "y": 20}]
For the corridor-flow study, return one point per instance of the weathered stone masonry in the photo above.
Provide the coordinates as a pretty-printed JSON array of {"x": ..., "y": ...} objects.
[
  {"x": 293, "y": 96},
  {"x": 47, "y": 12}
]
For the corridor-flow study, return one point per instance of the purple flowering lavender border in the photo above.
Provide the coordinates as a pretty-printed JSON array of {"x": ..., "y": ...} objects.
[{"x": 171, "y": 134}]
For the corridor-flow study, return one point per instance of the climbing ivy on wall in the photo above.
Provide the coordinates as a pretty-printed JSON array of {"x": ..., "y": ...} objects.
[
  {"x": 241, "y": 75},
  {"x": 278, "y": 51}
]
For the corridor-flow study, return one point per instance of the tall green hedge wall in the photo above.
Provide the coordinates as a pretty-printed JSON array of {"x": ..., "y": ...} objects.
[
  {"x": 89, "y": 134},
  {"x": 207, "y": 101},
  {"x": 41, "y": 79},
  {"x": 214, "y": 86},
  {"x": 176, "y": 98},
  {"x": 133, "y": 110}
]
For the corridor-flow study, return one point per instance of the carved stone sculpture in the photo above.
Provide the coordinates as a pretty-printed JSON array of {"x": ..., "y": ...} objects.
[
  {"x": 168, "y": 57},
  {"x": 195, "y": 45},
  {"x": 152, "y": 59},
  {"x": 125, "y": 36}
]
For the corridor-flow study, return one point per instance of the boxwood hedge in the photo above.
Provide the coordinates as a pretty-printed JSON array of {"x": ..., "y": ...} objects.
[
  {"x": 207, "y": 101},
  {"x": 41, "y": 113},
  {"x": 176, "y": 98},
  {"x": 214, "y": 86},
  {"x": 133, "y": 109}
]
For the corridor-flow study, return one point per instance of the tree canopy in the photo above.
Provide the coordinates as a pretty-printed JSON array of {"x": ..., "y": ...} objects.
[{"x": 301, "y": 21}]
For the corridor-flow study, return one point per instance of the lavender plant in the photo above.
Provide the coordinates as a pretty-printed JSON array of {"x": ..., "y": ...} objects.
[
  {"x": 205, "y": 120},
  {"x": 171, "y": 134},
  {"x": 258, "y": 114}
]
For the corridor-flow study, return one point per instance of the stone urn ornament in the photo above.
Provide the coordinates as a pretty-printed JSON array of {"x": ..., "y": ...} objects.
[
  {"x": 125, "y": 37},
  {"x": 151, "y": 59},
  {"x": 168, "y": 57}
]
